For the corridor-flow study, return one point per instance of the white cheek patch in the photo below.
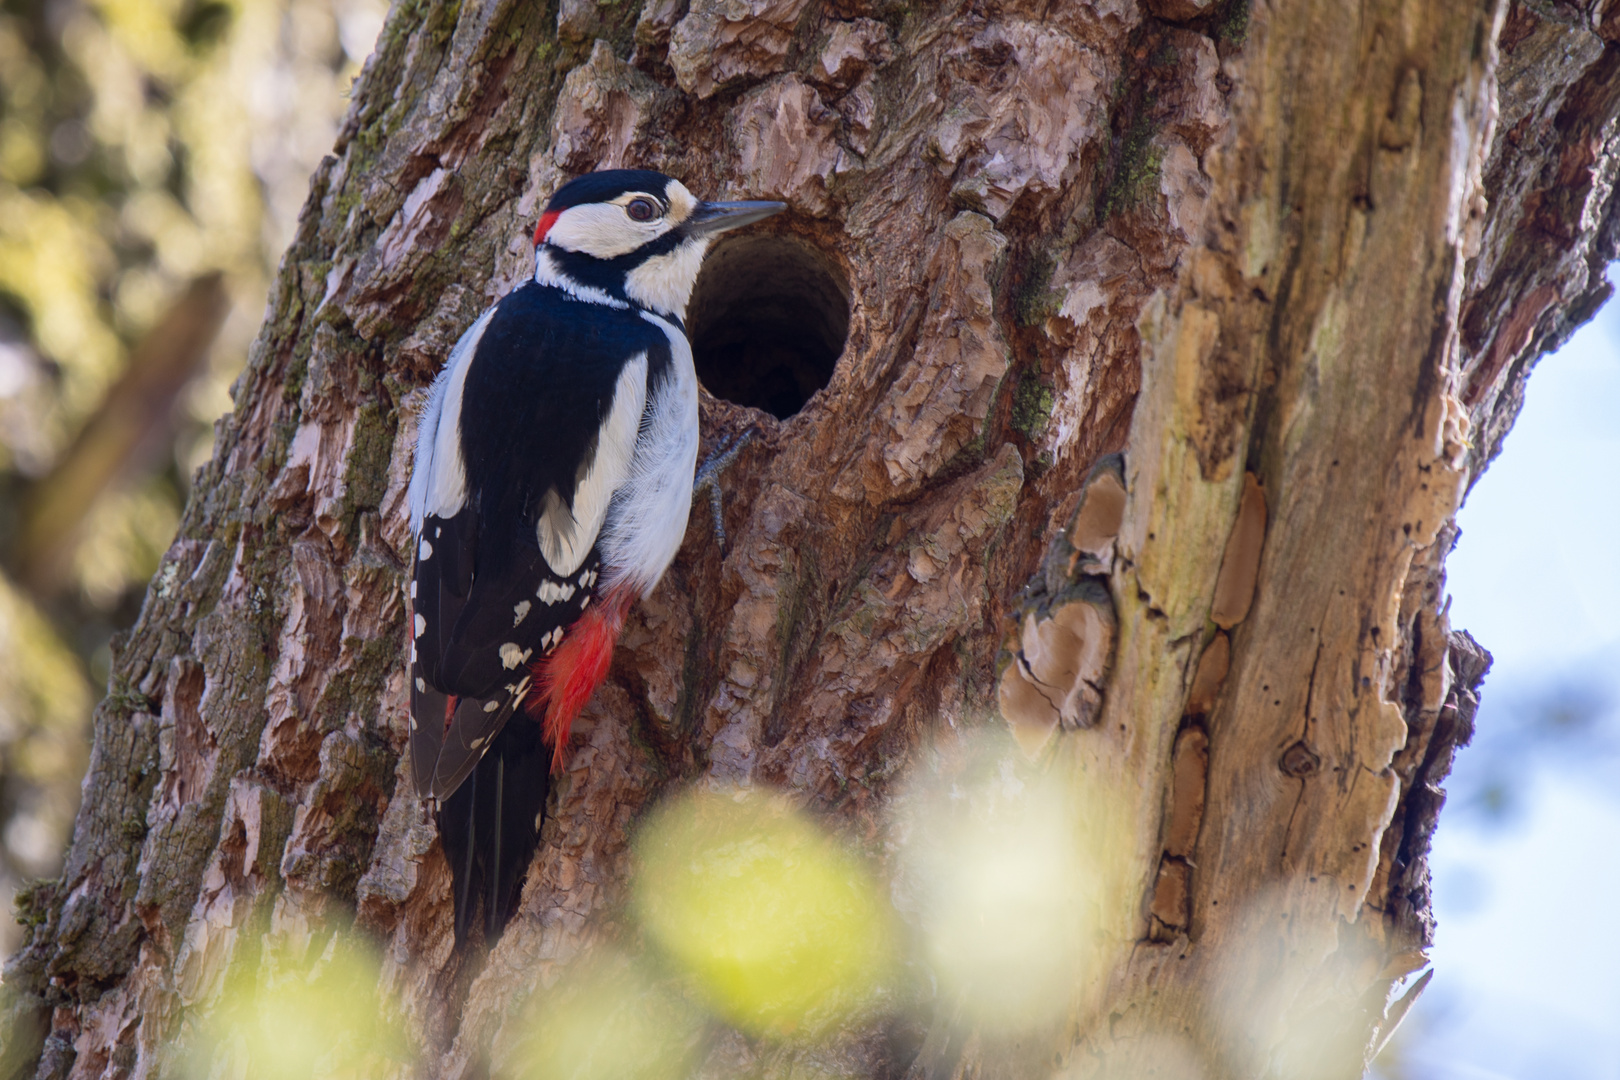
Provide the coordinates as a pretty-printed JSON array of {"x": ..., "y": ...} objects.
[
  {"x": 664, "y": 283},
  {"x": 603, "y": 230}
]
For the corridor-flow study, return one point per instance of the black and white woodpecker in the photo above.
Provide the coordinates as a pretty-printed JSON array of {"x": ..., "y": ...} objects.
[{"x": 552, "y": 483}]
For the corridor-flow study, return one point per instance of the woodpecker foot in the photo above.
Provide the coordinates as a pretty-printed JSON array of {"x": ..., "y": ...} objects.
[{"x": 708, "y": 476}]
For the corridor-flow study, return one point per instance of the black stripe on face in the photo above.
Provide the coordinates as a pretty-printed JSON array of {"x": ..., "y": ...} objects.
[{"x": 609, "y": 275}]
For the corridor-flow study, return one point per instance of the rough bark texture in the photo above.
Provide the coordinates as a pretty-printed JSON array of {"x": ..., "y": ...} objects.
[{"x": 1307, "y": 251}]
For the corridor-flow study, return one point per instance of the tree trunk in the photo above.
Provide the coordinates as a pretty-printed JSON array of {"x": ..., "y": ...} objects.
[{"x": 1295, "y": 262}]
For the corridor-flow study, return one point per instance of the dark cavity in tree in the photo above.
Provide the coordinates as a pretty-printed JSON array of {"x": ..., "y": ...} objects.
[{"x": 768, "y": 320}]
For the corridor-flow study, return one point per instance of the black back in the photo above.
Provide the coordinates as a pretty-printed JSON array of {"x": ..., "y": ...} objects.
[{"x": 540, "y": 383}]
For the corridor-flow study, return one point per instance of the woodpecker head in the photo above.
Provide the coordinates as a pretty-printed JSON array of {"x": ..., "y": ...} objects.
[{"x": 632, "y": 235}]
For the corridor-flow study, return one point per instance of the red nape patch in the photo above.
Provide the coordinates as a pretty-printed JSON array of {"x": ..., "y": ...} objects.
[
  {"x": 547, "y": 220},
  {"x": 567, "y": 678}
]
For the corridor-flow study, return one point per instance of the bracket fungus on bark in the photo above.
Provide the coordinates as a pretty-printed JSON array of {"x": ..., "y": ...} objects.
[
  {"x": 1210, "y": 675},
  {"x": 1066, "y": 625},
  {"x": 1240, "y": 566}
]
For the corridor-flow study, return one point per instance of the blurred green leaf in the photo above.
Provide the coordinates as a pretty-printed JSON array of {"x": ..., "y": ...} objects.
[{"x": 783, "y": 933}]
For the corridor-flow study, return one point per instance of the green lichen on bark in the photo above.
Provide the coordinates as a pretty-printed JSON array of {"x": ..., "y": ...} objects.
[
  {"x": 1037, "y": 301},
  {"x": 1031, "y": 407},
  {"x": 31, "y": 904},
  {"x": 1232, "y": 23},
  {"x": 365, "y": 475},
  {"x": 1136, "y": 171}
]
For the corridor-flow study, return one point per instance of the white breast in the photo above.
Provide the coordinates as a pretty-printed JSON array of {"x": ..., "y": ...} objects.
[{"x": 647, "y": 520}]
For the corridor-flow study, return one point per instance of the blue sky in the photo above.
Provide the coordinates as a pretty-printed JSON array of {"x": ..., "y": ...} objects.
[{"x": 1527, "y": 961}]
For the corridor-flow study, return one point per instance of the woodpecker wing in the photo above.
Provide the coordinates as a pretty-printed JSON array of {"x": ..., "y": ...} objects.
[
  {"x": 474, "y": 653},
  {"x": 529, "y": 434}
]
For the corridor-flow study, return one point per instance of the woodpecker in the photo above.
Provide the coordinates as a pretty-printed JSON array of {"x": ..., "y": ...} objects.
[{"x": 551, "y": 486}]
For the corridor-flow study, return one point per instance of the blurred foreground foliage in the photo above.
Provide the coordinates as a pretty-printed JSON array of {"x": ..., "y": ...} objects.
[
  {"x": 781, "y": 931},
  {"x": 308, "y": 1016},
  {"x": 144, "y": 146},
  {"x": 748, "y": 921}
]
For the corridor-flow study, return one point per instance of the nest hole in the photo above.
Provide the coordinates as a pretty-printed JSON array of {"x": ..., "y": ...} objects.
[{"x": 768, "y": 320}]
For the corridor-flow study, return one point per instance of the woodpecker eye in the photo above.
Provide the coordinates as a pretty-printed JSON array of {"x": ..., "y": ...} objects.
[{"x": 642, "y": 209}]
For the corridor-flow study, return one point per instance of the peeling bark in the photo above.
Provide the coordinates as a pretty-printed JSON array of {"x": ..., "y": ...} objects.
[{"x": 1308, "y": 252}]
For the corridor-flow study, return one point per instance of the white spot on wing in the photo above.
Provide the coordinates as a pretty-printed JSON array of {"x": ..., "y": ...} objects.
[
  {"x": 421, "y": 687},
  {"x": 491, "y": 706},
  {"x": 421, "y": 624},
  {"x": 520, "y": 612},
  {"x": 512, "y": 656},
  {"x": 425, "y": 551},
  {"x": 413, "y": 588}
]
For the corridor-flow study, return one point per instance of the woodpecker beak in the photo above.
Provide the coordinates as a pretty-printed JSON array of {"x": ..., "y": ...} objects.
[{"x": 716, "y": 217}]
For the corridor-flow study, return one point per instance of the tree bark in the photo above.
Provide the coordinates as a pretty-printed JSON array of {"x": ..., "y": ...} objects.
[{"x": 1295, "y": 262}]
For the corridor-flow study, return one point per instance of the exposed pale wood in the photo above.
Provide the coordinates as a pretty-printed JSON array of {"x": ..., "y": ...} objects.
[{"x": 1286, "y": 242}]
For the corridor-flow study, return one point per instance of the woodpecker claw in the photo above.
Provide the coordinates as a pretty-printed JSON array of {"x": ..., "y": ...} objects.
[{"x": 708, "y": 476}]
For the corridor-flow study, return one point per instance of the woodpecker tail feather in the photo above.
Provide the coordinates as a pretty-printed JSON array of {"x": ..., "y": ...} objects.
[
  {"x": 490, "y": 824},
  {"x": 566, "y": 679},
  {"x": 490, "y": 828}
]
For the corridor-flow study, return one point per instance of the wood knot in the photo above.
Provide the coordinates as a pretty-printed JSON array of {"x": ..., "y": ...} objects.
[{"x": 1299, "y": 761}]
